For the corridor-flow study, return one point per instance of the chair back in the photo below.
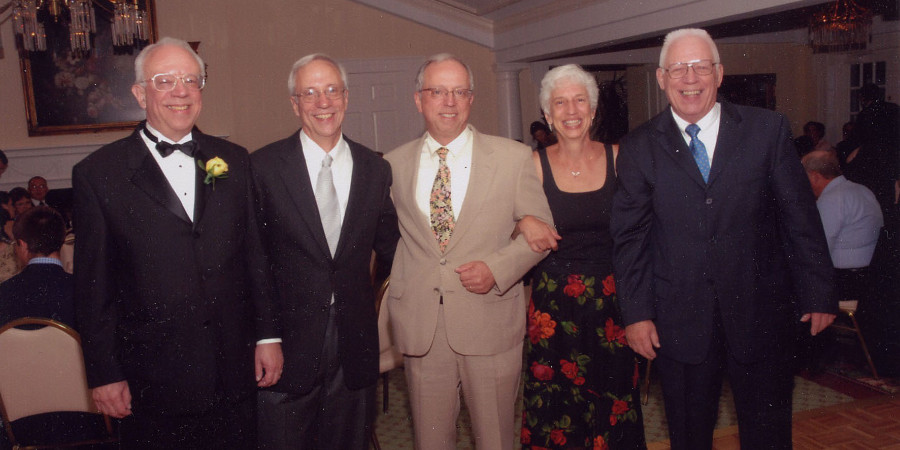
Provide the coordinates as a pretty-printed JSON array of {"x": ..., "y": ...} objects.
[
  {"x": 389, "y": 357},
  {"x": 42, "y": 370}
]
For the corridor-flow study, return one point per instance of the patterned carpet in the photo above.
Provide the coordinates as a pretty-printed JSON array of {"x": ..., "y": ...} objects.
[{"x": 394, "y": 429}]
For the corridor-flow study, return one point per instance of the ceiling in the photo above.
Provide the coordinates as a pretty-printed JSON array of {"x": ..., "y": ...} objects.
[{"x": 536, "y": 30}]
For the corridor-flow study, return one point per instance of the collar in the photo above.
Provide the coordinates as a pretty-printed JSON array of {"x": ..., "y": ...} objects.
[
  {"x": 833, "y": 184},
  {"x": 45, "y": 260},
  {"x": 312, "y": 149},
  {"x": 162, "y": 138},
  {"x": 455, "y": 147},
  {"x": 711, "y": 118}
]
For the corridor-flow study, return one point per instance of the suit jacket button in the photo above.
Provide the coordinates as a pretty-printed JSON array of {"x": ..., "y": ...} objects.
[
  {"x": 443, "y": 261},
  {"x": 709, "y": 201},
  {"x": 196, "y": 235},
  {"x": 206, "y": 323}
]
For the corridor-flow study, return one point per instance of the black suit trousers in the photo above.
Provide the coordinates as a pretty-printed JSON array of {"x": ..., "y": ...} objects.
[
  {"x": 329, "y": 416},
  {"x": 762, "y": 396}
]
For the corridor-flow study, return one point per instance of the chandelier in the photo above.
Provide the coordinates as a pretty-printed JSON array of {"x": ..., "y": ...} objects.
[
  {"x": 841, "y": 26},
  {"x": 129, "y": 22}
]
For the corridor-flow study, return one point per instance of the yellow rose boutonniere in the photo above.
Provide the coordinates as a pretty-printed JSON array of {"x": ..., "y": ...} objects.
[{"x": 216, "y": 169}]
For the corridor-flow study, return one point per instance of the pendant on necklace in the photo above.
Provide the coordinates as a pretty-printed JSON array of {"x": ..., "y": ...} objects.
[{"x": 575, "y": 174}]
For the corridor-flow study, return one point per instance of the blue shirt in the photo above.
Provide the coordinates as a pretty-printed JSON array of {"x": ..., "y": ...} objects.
[{"x": 852, "y": 220}]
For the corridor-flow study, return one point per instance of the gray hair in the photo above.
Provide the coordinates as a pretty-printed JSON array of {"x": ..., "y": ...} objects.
[
  {"x": 823, "y": 162},
  {"x": 292, "y": 77},
  {"x": 684, "y": 32},
  {"x": 441, "y": 57},
  {"x": 164, "y": 42},
  {"x": 568, "y": 72}
]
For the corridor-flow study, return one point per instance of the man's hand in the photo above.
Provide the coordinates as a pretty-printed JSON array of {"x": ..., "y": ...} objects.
[
  {"x": 818, "y": 321},
  {"x": 476, "y": 277},
  {"x": 269, "y": 364},
  {"x": 642, "y": 338},
  {"x": 113, "y": 399},
  {"x": 539, "y": 235}
]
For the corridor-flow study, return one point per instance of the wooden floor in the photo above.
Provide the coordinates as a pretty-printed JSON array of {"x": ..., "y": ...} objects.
[{"x": 869, "y": 423}]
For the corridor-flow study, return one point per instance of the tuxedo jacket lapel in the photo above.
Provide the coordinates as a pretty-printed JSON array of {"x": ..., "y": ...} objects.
[
  {"x": 201, "y": 190},
  {"x": 147, "y": 176}
]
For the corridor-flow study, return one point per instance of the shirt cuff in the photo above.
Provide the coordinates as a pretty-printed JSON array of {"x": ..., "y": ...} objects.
[{"x": 268, "y": 341}]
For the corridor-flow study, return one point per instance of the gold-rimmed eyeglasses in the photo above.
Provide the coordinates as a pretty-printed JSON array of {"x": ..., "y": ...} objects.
[
  {"x": 310, "y": 95},
  {"x": 437, "y": 93},
  {"x": 701, "y": 67},
  {"x": 167, "y": 81}
]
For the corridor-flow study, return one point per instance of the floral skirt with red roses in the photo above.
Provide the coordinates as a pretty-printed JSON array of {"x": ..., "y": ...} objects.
[{"x": 581, "y": 379}]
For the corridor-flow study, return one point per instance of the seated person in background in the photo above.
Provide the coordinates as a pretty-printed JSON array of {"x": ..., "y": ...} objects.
[
  {"x": 9, "y": 266},
  {"x": 816, "y": 133},
  {"x": 21, "y": 200},
  {"x": 852, "y": 220},
  {"x": 848, "y": 143},
  {"x": 37, "y": 188},
  {"x": 43, "y": 289},
  {"x": 7, "y": 212},
  {"x": 541, "y": 135},
  {"x": 804, "y": 145}
]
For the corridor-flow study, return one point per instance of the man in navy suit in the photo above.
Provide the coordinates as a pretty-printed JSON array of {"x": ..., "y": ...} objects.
[
  {"x": 718, "y": 252},
  {"x": 43, "y": 288},
  {"x": 170, "y": 288},
  {"x": 325, "y": 206}
]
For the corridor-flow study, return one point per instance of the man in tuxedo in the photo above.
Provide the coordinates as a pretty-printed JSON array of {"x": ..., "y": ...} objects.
[
  {"x": 171, "y": 278},
  {"x": 324, "y": 206},
  {"x": 43, "y": 288},
  {"x": 456, "y": 301},
  {"x": 716, "y": 237}
]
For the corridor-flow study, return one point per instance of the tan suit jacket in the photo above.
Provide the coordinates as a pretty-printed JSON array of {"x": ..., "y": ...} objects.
[{"x": 503, "y": 188}]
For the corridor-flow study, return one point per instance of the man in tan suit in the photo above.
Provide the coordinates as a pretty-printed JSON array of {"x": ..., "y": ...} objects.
[{"x": 456, "y": 301}]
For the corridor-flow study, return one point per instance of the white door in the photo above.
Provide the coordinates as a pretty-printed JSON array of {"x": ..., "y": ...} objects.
[{"x": 381, "y": 113}]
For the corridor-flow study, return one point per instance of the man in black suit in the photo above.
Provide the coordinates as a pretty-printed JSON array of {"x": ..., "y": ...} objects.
[
  {"x": 325, "y": 205},
  {"x": 716, "y": 236},
  {"x": 43, "y": 288},
  {"x": 170, "y": 286}
]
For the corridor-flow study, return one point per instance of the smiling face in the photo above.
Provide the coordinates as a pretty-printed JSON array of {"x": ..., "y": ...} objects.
[
  {"x": 321, "y": 119},
  {"x": 570, "y": 112},
  {"x": 691, "y": 96},
  {"x": 445, "y": 117},
  {"x": 173, "y": 113}
]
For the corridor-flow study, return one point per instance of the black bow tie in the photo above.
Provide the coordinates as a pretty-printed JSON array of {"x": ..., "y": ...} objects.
[{"x": 165, "y": 149}]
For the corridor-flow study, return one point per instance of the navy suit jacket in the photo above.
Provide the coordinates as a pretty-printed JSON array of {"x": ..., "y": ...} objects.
[
  {"x": 749, "y": 243},
  {"x": 172, "y": 306},
  {"x": 305, "y": 275},
  {"x": 40, "y": 290}
]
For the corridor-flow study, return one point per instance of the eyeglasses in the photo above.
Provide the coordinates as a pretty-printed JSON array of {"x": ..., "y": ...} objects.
[
  {"x": 438, "y": 93},
  {"x": 166, "y": 81},
  {"x": 310, "y": 95},
  {"x": 702, "y": 67}
]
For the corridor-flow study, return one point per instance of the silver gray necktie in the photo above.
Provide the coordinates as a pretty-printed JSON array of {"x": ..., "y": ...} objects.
[{"x": 329, "y": 209}]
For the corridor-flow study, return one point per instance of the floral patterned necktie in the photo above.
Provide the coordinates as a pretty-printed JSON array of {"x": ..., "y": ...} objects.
[{"x": 441, "y": 209}]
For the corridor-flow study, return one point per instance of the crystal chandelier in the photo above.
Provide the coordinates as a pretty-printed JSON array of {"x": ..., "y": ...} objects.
[
  {"x": 841, "y": 26},
  {"x": 129, "y": 22}
]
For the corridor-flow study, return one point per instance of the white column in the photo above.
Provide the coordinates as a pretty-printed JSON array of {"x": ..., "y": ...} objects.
[{"x": 509, "y": 105}]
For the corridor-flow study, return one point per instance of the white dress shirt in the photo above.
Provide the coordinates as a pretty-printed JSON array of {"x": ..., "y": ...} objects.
[
  {"x": 459, "y": 160},
  {"x": 178, "y": 168},
  {"x": 709, "y": 129},
  {"x": 341, "y": 167}
]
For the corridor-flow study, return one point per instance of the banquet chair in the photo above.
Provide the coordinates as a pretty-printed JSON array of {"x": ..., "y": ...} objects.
[
  {"x": 389, "y": 357},
  {"x": 848, "y": 308},
  {"x": 44, "y": 396}
]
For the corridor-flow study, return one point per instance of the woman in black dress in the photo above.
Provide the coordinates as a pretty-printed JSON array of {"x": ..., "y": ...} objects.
[{"x": 581, "y": 377}]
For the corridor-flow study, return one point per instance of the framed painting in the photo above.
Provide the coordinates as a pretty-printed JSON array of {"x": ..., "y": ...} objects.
[{"x": 69, "y": 93}]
